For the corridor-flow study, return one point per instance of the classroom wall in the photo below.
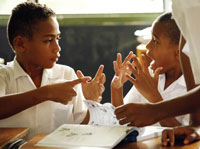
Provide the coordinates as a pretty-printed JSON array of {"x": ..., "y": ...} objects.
[{"x": 85, "y": 47}]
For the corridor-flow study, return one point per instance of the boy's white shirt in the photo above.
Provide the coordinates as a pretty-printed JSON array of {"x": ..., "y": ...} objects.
[
  {"x": 176, "y": 89},
  {"x": 44, "y": 117},
  {"x": 186, "y": 14}
]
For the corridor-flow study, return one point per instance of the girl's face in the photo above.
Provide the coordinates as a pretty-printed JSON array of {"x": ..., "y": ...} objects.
[{"x": 161, "y": 50}]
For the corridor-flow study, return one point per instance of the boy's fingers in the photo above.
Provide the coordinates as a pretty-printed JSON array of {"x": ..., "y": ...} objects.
[
  {"x": 165, "y": 137},
  {"x": 77, "y": 81},
  {"x": 171, "y": 137},
  {"x": 190, "y": 138},
  {"x": 144, "y": 63},
  {"x": 103, "y": 78},
  {"x": 130, "y": 78},
  {"x": 119, "y": 60},
  {"x": 119, "y": 111},
  {"x": 125, "y": 120},
  {"x": 128, "y": 58},
  {"x": 79, "y": 74},
  {"x": 137, "y": 63},
  {"x": 135, "y": 73},
  {"x": 102, "y": 88},
  {"x": 115, "y": 68},
  {"x": 99, "y": 72}
]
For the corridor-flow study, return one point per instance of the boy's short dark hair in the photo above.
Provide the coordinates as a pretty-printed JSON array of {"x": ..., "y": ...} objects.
[
  {"x": 172, "y": 30},
  {"x": 24, "y": 18}
]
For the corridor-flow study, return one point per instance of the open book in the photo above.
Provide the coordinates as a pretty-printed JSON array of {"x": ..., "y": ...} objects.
[{"x": 71, "y": 135}]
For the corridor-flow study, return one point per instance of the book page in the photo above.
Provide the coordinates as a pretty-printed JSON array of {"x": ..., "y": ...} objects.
[
  {"x": 86, "y": 135},
  {"x": 101, "y": 114}
]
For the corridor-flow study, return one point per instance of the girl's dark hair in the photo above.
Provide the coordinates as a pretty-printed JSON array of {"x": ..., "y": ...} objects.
[
  {"x": 172, "y": 30},
  {"x": 24, "y": 18}
]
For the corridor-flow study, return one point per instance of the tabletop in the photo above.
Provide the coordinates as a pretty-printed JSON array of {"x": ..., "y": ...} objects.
[
  {"x": 10, "y": 134},
  {"x": 153, "y": 143}
]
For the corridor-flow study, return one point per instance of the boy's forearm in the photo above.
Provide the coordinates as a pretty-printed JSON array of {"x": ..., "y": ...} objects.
[
  {"x": 117, "y": 96},
  {"x": 13, "y": 104},
  {"x": 178, "y": 106},
  {"x": 169, "y": 122}
]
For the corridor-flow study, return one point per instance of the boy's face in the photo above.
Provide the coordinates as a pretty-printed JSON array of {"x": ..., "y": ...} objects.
[
  {"x": 161, "y": 50},
  {"x": 43, "y": 49}
]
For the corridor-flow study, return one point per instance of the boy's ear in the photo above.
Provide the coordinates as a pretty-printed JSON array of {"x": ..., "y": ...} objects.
[
  {"x": 19, "y": 43},
  {"x": 177, "y": 52}
]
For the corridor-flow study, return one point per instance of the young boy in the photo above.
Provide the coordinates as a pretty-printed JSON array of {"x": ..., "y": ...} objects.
[
  {"x": 146, "y": 114},
  {"x": 33, "y": 33},
  {"x": 167, "y": 80}
]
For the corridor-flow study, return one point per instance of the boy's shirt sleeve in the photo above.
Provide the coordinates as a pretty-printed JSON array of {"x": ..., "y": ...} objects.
[{"x": 2, "y": 81}]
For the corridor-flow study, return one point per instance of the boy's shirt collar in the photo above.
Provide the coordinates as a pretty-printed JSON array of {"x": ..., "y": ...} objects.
[
  {"x": 19, "y": 71},
  {"x": 179, "y": 82},
  {"x": 50, "y": 73}
]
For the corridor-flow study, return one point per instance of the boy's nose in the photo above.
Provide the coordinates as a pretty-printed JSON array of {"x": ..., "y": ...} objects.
[
  {"x": 56, "y": 47},
  {"x": 148, "y": 45}
]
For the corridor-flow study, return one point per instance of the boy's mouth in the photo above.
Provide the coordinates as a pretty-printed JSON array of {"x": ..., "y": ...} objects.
[{"x": 55, "y": 59}]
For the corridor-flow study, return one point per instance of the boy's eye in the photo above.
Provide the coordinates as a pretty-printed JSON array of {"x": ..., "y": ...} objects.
[
  {"x": 52, "y": 39},
  {"x": 58, "y": 38},
  {"x": 48, "y": 40},
  {"x": 155, "y": 41}
]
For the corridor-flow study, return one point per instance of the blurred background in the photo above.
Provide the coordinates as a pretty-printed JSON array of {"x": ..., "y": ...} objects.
[{"x": 94, "y": 31}]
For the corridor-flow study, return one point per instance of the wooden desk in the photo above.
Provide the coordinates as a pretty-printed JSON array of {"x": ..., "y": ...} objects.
[
  {"x": 10, "y": 134},
  {"x": 147, "y": 144}
]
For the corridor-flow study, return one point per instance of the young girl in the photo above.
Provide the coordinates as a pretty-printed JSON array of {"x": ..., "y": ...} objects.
[{"x": 163, "y": 81}]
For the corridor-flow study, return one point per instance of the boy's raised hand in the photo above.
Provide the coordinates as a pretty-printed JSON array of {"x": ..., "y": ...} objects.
[
  {"x": 62, "y": 92},
  {"x": 120, "y": 70},
  {"x": 94, "y": 89},
  {"x": 143, "y": 81},
  {"x": 183, "y": 135}
]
